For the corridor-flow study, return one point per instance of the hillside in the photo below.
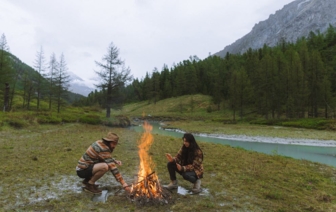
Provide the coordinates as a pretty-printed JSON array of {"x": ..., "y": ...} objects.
[{"x": 23, "y": 69}]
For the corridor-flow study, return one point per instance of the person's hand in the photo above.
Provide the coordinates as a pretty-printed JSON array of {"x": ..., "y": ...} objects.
[
  {"x": 126, "y": 187},
  {"x": 169, "y": 157},
  {"x": 179, "y": 167},
  {"x": 118, "y": 162}
]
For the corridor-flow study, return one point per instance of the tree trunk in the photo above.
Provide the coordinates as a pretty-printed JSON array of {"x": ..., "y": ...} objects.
[{"x": 6, "y": 98}]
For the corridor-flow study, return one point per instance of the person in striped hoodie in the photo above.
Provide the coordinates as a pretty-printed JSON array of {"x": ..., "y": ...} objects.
[{"x": 97, "y": 160}]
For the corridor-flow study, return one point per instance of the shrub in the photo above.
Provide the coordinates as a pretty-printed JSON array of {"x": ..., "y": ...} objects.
[
  {"x": 319, "y": 124},
  {"x": 18, "y": 123},
  {"x": 90, "y": 119},
  {"x": 49, "y": 119},
  {"x": 69, "y": 118},
  {"x": 120, "y": 121}
]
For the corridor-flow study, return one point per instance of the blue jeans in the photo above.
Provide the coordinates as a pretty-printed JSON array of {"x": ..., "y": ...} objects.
[{"x": 172, "y": 169}]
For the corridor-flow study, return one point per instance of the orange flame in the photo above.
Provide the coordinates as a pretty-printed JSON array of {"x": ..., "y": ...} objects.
[
  {"x": 144, "y": 145},
  {"x": 148, "y": 188}
]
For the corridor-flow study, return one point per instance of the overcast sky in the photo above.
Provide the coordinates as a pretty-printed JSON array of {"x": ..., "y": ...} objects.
[{"x": 148, "y": 33}]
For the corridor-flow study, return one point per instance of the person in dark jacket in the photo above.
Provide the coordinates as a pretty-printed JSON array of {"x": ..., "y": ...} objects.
[
  {"x": 188, "y": 163},
  {"x": 97, "y": 160}
]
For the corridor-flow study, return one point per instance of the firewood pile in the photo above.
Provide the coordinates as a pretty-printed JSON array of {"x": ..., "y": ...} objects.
[{"x": 148, "y": 191}]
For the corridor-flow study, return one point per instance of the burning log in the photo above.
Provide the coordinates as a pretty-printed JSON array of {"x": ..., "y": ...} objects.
[{"x": 147, "y": 189}]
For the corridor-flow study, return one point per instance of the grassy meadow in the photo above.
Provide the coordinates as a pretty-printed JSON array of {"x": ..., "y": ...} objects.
[
  {"x": 39, "y": 151},
  {"x": 38, "y": 174}
]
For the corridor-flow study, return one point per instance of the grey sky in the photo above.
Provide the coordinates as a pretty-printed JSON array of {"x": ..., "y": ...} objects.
[{"x": 148, "y": 33}]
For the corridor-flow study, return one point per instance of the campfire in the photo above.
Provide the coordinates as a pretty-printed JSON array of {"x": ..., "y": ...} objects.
[{"x": 147, "y": 189}]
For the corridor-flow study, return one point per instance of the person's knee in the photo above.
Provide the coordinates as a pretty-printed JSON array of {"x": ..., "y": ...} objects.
[
  {"x": 101, "y": 167},
  {"x": 189, "y": 177},
  {"x": 105, "y": 168},
  {"x": 186, "y": 177}
]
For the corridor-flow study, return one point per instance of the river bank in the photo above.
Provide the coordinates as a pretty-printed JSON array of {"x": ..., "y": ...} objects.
[
  {"x": 264, "y": 139},
  {"x": 256, "y": 133}
]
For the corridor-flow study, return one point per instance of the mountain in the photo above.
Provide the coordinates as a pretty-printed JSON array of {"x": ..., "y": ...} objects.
[
  {"x": 293, "y": 21},
  {"x": 78, "y": 85}
]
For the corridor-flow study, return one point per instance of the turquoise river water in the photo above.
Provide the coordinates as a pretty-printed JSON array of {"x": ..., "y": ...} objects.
[{"x": 320, "y": 154}]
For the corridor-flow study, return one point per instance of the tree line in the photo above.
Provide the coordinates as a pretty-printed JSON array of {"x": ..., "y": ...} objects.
[
  {"x": 291, "y": 80},
  {"x": 47, "y": 81}
]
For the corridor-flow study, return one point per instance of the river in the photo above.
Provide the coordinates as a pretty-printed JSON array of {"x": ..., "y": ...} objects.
[{"x": 313, "y": 152}]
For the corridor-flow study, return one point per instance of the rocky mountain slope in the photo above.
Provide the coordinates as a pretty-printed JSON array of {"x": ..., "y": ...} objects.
[{"x": 294, "y": 20}]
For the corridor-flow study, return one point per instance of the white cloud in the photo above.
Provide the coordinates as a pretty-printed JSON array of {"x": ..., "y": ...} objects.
[{"x": 148, "y": 33}]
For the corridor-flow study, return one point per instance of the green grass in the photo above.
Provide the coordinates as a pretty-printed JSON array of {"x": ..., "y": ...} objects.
[
  {"x": 39, "y": 162},
  {"x": 201, "y": 108},
  {"x": 191, "y": 106}
]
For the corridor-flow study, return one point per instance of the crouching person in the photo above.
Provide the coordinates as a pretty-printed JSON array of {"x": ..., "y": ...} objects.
[
  {"x": 188, "y": 163},
  {"x": 97, "y": 160}
]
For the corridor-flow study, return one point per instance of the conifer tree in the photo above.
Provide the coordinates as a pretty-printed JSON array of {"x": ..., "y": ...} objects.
[
  {"x": 113, "y": 75},
  {"x": 40, "y": 68},
  {"x": 62, "y": 79},
  {"x": 6, "y": 73},
  {"x": 240, "y": 91},
  {"x": 315, "y": 78},
  {"x": 51, "y": 77},
  {"x": 156, "y": 85}
]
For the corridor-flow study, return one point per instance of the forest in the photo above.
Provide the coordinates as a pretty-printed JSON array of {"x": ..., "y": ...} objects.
[{"x": 290, "y": 80}]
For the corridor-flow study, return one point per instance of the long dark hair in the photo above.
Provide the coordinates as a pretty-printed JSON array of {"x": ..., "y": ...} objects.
[{"x": 188, "y": 153}]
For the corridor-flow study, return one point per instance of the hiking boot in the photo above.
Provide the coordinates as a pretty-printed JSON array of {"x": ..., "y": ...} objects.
[
  {"x": 92, "y": 188},
  {"x": 85, "y": 182},
  {"x": 172, "y": 185},
  {"x": 197, "y": 187}
]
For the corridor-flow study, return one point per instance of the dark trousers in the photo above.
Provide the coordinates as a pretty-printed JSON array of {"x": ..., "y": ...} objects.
[{"x": 172, "y": 169}]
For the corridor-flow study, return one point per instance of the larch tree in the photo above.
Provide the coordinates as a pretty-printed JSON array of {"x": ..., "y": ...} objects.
[
  {"x": 51, "y": 77},
  {"x": 40, "y": 68},
  {"x": 114, "y": 75},
  {"x": 61, "y": 83}
]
